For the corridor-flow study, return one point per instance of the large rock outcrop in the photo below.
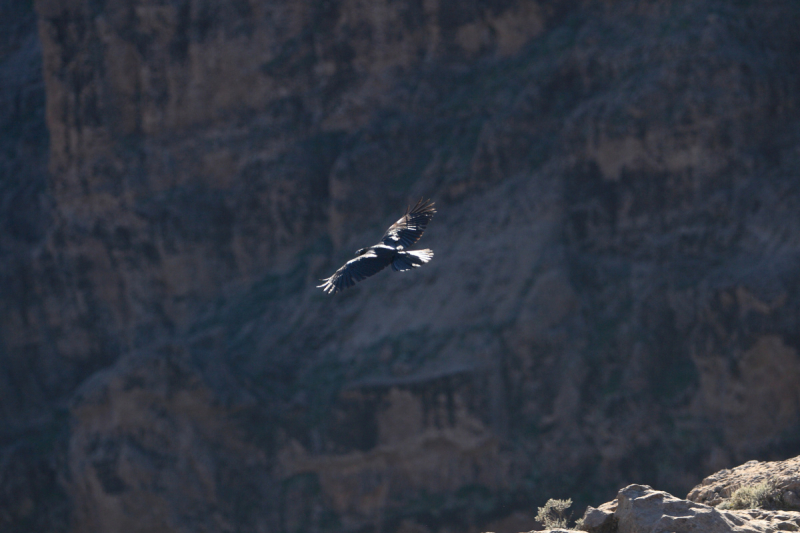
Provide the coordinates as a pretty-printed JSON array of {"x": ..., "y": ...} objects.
[
  {"x": 614, "y": 296},
  {"x": 783, "y": 476},
  {"x": 641, "y": 509},
  {"x": 708, "y": 507}
]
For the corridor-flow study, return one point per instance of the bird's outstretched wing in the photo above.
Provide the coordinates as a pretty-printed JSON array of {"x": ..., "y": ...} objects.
[
  {"x": 356, "y": 269},
  {"x": 408, "y": 229}
]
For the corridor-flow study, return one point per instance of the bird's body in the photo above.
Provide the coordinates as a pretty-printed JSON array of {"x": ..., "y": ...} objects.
[{"x": 390, "y": 251}]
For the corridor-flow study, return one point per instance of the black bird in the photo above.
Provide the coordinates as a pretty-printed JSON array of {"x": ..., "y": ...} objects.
[{"x": 390, "y": 251}]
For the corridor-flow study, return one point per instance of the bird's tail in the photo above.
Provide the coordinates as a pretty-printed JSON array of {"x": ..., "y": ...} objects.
[{"x": 411, "y": 259}]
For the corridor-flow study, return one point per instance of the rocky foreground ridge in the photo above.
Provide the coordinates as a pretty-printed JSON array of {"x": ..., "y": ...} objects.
[{"x": 756, "y": 497}]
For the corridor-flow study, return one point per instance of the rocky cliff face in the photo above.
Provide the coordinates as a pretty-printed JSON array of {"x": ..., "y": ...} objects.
[{"x": 614, "y": 295}]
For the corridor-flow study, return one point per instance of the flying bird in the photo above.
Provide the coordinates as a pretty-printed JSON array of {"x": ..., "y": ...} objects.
[{"x": 390, "y": 251}]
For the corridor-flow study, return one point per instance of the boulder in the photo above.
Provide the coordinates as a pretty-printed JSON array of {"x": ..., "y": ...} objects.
[
  {"x": 641, "y": 509},
  {"x": 601, "y": 519},
  {"x": 718, "y": 487}
]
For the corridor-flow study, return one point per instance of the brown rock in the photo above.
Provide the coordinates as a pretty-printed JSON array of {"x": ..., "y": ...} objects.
[
  {"x": 616, "y": 279},
  {"x": 718, "y": 487},
  {"x": 152, "y": 447},
  {"x": 791, "y": 499},
  {"x": 640, "y": 508},
  {"x": 602, "y": 519}
]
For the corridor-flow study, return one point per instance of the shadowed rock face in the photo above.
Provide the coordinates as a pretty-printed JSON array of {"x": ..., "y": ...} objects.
[{"x": 614, "y": 296}]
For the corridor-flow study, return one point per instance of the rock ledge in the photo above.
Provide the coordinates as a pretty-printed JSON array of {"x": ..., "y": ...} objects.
[{"x": 640, "y": 508}]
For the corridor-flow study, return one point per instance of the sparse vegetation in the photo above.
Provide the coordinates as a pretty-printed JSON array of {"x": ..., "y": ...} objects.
[
  {"x": 553, "y": 514},
  {"x": 764, "y": 495}
]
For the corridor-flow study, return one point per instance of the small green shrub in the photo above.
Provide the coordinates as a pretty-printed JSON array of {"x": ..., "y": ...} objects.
[
  {"x": 764, "y": 495},
  {"x": 553, "y": 514}
]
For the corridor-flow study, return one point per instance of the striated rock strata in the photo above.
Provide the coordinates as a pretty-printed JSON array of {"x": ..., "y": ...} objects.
[{"x": 615, "y": 294}]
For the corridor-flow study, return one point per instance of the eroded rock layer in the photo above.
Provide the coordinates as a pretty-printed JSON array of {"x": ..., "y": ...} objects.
[{"x": 614, "y": 296}]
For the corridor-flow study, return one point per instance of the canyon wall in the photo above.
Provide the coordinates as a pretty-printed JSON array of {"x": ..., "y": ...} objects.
[{"x": 614, "y": 296}]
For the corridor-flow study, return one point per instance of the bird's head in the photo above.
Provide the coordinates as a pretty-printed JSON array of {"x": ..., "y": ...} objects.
[{"x": 362, "y": 251}]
